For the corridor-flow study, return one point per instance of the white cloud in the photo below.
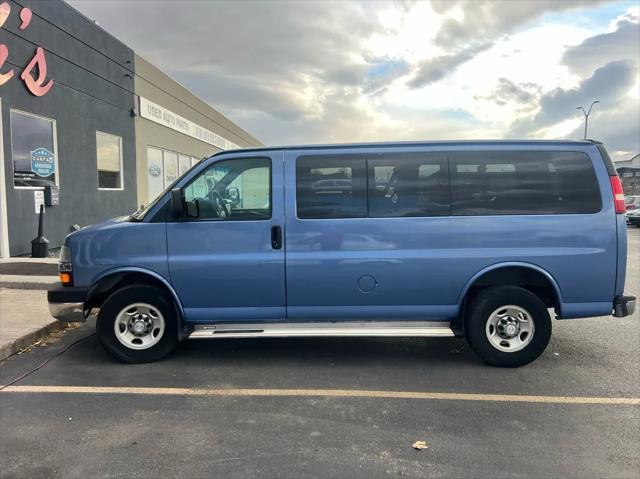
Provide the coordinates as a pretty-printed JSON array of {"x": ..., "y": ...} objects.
[{"x": 295, "y": 72}]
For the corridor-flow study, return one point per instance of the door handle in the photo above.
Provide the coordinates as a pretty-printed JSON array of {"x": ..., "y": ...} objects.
[{"x": 276, "y": 237}]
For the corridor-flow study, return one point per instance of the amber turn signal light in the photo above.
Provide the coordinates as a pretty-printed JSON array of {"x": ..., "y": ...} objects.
[{"x": 65, "y": 278}]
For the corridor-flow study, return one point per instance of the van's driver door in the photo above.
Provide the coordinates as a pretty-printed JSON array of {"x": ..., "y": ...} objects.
[{"x": 226, "y": 257}]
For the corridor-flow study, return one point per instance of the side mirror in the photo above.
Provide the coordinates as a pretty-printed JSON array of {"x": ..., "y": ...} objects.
[
  {"x": 192, "y": 209},
  {"x": 177, "y": 202}
]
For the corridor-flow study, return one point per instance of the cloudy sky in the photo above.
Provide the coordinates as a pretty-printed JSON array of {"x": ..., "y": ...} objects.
[{"x": 310, "y": 72}]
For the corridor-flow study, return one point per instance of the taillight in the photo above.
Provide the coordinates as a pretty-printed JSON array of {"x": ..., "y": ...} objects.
[{"x": 618, "y": 194}]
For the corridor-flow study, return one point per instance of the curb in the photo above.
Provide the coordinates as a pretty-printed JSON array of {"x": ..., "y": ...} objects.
[
  {"x": 27, "y": 282},
  {"x": 28, "y": 339},
  {"x": 23, "y": 259}
]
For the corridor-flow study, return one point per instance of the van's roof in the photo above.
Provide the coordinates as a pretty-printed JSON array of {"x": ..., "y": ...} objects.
[{"x": 421, "y": 143}]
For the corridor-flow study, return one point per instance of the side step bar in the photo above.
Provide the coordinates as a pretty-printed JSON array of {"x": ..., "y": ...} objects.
[{"x": 408, "y": 329}]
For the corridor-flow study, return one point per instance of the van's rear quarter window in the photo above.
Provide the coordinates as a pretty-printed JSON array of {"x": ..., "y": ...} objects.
[{"x": 523, "y": 183}]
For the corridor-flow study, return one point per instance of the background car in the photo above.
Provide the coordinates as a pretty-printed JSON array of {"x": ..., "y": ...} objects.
[
  {"x": 633, "y": 217},
  {"x": 632, "y": 209}
]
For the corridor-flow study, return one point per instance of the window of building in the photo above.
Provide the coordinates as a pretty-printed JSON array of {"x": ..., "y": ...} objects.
[
  {"x": 164, "y": 167},
  {"x": 238, "y": 189},
  {"x": 155, "y": 173},
  {"x": 34, "y": 150},
  {"x": 184, "y": 163},
  {"x": 170, "y": 167},
  {"x": 109, "y": 153},
  {"x": 331, "y": 187},
  {"x": 411, "y": 184},
  {"x": 522, "y": 182}
]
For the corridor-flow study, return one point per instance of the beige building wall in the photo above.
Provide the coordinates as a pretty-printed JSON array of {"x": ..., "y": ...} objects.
[{"x": 155, "y": 86}]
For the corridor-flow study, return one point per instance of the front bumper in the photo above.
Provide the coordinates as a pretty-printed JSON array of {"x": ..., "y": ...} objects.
[
  {"x": 624, "y": 305},
  {"x": 66, "y": 303}
]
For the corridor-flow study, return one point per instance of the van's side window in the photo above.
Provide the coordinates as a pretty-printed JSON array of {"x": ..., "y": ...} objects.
[
  {"x": 410, "y": 184},
  {"x": 331, "y": 187},
  {"x": 236, "y": 189},
  {"x": 522, "y": 182}
]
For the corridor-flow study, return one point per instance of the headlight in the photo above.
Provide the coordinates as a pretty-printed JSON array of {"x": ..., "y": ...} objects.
[
  {"x": 65, "y": 254},
  {"x": 65, "y": 268}
]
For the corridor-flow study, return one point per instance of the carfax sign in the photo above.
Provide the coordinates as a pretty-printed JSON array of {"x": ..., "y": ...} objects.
[{"x": 43, "y": 162}]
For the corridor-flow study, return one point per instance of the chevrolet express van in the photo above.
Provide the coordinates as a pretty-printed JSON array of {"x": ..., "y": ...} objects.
[{"x": 433, "y": 239}]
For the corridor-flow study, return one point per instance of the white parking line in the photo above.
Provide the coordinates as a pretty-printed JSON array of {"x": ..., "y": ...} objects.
[{"x": 333, "y": 393}]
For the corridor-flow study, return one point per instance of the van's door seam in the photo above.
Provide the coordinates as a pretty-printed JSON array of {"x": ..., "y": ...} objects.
[{"x": 283, "y": 171}]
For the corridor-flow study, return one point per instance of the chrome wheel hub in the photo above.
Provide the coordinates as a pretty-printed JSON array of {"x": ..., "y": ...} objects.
[
  {"x": 510, "y": 328},
  {"x": 139, "y": 326}
]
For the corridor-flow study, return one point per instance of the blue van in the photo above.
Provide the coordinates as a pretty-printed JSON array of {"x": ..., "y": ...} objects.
[{"x": 431, "y": 239}]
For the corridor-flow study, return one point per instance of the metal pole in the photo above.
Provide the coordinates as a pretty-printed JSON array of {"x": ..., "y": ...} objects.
[
  {"x": 586, "y": 116},
  {"x": 586, "y": 124}
]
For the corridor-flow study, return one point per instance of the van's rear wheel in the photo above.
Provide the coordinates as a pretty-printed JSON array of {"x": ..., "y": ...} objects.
[
  {"x": 507, "y": 326},
  {"x": 138, "y": 324}
]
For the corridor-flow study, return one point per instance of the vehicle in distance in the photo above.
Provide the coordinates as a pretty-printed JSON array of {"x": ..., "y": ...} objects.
[
  {"x": 632, "y": 206},
  {"x": 427, "y": 239},
  {"x": 632, "y": 202},
  {"x": 633, "y": 217}
]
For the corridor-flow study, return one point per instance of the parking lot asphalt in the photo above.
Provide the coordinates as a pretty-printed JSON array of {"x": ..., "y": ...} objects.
[{"x": 211, "y": 413}]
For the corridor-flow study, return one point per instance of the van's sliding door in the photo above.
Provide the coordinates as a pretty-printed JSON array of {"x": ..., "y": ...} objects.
[{"x": 365, "y": 233}]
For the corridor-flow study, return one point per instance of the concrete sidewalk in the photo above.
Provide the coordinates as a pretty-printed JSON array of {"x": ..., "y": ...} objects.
[
  {"x": 24, "y": 319},
  {"x": 24, "y": 313}
]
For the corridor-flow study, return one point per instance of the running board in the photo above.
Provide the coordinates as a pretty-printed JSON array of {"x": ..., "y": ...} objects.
[{"x": 408, "y": 329}]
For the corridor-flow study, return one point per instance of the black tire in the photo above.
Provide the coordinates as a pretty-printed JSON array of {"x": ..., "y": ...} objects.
[
  {"x": 124, "y": 297},
  {"x": 478, "y": 312}
]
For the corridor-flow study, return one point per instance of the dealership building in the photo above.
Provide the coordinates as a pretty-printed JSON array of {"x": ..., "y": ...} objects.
[{"x": 88, "y": 129}]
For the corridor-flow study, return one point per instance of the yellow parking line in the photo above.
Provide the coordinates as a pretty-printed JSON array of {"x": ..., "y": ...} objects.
[{"x": 332, "y": 393}]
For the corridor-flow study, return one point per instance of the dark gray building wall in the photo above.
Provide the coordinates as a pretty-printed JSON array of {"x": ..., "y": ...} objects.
[{"x": 93, "y": 91}]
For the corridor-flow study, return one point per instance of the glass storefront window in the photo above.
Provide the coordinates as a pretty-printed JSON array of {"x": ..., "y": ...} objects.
[
  {"x": 170, "y": 167},
  {"x": 33, "y": 141},
  {"x": 109, "y": 153},
  {"x": 184, "y": 163},
  {"x": 164, "y": 167},
  {"x": 155, "y": 173}
]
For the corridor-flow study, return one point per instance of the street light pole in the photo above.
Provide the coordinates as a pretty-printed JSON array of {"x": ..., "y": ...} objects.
[{"x": 586, "y": 116}]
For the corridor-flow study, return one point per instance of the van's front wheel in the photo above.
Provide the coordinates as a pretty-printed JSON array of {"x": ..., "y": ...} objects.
[
  {"x": 137, "y": 324},
  {"x": 507, "y": 326}
]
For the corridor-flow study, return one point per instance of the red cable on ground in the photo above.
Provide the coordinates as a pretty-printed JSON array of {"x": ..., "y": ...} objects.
[{"x": 20, "y": 378}]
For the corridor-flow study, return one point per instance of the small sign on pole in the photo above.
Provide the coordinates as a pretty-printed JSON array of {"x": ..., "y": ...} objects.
[{"x": 38, "y": 199}]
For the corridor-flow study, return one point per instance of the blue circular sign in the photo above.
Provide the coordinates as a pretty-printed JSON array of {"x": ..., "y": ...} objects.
[{"x": 155, "y": 170}]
